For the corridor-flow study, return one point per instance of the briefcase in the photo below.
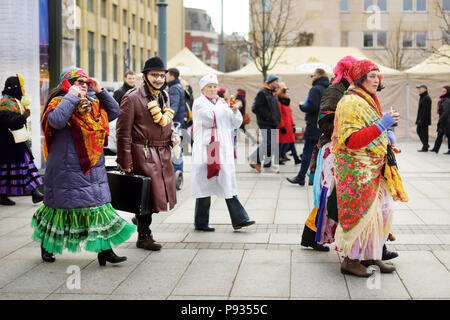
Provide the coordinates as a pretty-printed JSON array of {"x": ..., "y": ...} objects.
[{"x": 130, "y": 193}]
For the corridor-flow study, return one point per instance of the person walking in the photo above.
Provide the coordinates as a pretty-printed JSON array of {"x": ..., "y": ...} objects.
[
  {"x": 241, "y": 98},
  {"x": 311, "y": 107},
  {"x": 214, "y": 120},
  {"x": 145, "y": 136},
  {"x": 18, "y": 173},
  {"x": 366, "y": 175},
  {"x": 129, "y": 82},
  {"x": 441, "y": 131},
  {"x": 423, "y": 120},
  {"x": 178, "y": 105},
  {"x": 286, "y": 126},
  {"x": 268, "y": 117},
  {"x": 444, "y": 119},
  {"x": 77, "y": 200}
]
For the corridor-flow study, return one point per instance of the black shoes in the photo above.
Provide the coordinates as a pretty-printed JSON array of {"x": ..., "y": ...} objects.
[
  {"x": 422, "y": 150},
  {"x": 388, "y": 255},
  {"x": 207, "y": 228},
  {"x": 110, "y": 256},
  {"x": 244, "y": 224},
  {"x": 36, "y": 196},
  {"x": 5, "y": 201},
  {"x": 448, "y": 152},
  {"x": 46, "y": 256},
  {"x": 296, "y": 180},
  {"x": 297, "y": 160},
  {"x": 316, "y": 246}
]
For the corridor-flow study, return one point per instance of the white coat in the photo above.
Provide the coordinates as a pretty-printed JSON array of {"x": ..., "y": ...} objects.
[{"x": 224, "y": 185}]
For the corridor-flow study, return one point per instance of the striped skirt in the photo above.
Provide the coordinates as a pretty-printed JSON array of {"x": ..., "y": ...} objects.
[{"x": 19, "y": 178}]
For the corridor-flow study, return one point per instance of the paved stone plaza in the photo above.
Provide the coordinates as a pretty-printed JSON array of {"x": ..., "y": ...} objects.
[{"x": 264, "y": 261}]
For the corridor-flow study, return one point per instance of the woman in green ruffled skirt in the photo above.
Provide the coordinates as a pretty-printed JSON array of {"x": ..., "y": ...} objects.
[{"x": 77, "y": 199}]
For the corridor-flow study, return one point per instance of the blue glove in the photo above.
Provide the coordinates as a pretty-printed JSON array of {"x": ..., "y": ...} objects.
[
  {"x": 391, "y": 137},
  {"x": 385, "y": 122}
]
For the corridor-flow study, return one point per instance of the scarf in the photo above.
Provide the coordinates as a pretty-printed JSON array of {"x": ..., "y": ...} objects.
[
  {"x": 8, "y": 103},
  {"x": 212, "y": 100},
  {"x": 90, "y": 133},
  {"x": 269, "y": 88}
]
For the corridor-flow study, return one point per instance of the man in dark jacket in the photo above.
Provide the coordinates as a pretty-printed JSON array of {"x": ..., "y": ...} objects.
[
  {"x": 312, "y": 133},
  {"x": 268, "y": 117},
  {"x": 129, "y": 82},
  {"x": 423, "y": 116}
]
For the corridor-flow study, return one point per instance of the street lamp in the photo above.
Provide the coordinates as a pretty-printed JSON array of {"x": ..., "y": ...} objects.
[
  {"x": 221, "y": 44},
  {"x": 162, "y": 30}
]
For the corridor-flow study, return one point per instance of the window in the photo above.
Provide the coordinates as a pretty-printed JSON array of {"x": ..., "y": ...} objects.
[
  {"x": 104, "y": 60},
  {"x": 381, "y": 39},
  {"x": 421, "y": 40},
  {"x": 142, "y": 58},
  {"x": 125, "y": 58},
  {"x": 133, "y": 21},
  {"x": 91, "y": 5},
  {"x": 103, "y": 8},
  {"x": 344, "y": 6},
  {"x": 407, "y": 5},
  {"x": 421, "y": 5},
  {"x": 197, "y": 47},
  {"x": 115, "y": 71},
  {"x": 367, "y": 4},
  {"x": 446, "y": 5},
  {"x": 344, "y": 39},
  {"x": 407, "y": 39},
  {"x": 124, "y": 17},
  {"x": 133, "y": 55},
  {"x": 382, "y": 4},
  {"x": 368, "y": 40},
  {"x": 266, "y": 4},
  {"x": 114, "y": 13},
  {"x": 77, "y": 35},
  {"x": 91, "y": 54},
  {"x": 156, "y": 31},
  {"x": 149, "y": 29}
]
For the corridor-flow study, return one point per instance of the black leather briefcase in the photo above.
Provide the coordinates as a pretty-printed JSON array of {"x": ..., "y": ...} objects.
[{"x": 130, "y": 193}]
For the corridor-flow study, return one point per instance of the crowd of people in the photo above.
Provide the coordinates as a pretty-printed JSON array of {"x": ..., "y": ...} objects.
[{"x": 349, "y": 150}]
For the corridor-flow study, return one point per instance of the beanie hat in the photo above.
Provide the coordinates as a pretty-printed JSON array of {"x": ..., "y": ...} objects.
[
  {"x": 361, "y": 68},
  {"x": 71, "y": 73},
  {"x": 272, "y": 78},
  {"x": 209, "y": 78},
  {"x": 154, "y": 63}
]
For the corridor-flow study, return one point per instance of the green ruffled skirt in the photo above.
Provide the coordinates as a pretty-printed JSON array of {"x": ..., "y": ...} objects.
[{"x": 101, "y": 227}]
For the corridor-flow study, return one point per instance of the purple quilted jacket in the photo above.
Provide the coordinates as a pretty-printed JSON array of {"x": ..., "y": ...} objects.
[{"x": 65, "y": 185}]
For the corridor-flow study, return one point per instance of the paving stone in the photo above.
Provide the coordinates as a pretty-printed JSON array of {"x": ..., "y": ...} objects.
[
  {"x": 417, "y": 239},
  {"x": 284, "y": 238},
  {"x": 231, "y": 237}
]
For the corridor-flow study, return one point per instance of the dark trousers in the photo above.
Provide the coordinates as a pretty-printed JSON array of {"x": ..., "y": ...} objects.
[
  {"x": 144, "y": 222},
  {"x": 285, "y": 147},
  {"x": 422, "y": 131},
  {"x": 264, "y": 150},
  {"x": 308, "y": 236},
  {"x": 237, "y": 212},
  {"x": 306, "y": 158},
  {"x": 438, "y": 142}
]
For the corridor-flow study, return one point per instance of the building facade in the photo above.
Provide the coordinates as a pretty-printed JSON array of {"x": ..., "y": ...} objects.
[
  {"x": 397, "y": 33},
  {"x": 200, "y": 36},
  {"x": 114, "y": 36}
]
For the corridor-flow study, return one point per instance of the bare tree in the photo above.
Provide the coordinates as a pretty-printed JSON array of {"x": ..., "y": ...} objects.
[
  {"x": 236, "y": 52},
  {"x": 272, "y": 24},
  {"x": 444, "y": 16},
  {"x": 396, "y": 54}
]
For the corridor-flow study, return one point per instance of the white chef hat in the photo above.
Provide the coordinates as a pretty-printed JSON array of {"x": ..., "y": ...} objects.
[{"x": 209, "y": 78}]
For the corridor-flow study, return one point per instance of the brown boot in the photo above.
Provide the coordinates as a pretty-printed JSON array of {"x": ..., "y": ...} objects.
[
  {"x": 146, "y": 242},
  {"x": 354, "y": 267},
  {"x": 384, "y": 267}
]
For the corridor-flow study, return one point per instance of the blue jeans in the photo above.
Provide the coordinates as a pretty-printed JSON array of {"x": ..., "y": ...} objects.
[
  {"x": 178, "y": 163},
  {"x": 237, "y": 212},
  {"x": 306, "y": 158},
  {"x": 285, "y": 147}
]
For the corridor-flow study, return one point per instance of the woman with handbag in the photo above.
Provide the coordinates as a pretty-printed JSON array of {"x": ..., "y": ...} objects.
[
  {"x": 213, "y": 171},
  {"x": 18, "y": 174},
  {"x": 77, "y": 203},
  {"x": 366, "y": 176}
]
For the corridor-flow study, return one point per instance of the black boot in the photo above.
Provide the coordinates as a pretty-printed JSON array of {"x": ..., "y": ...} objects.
[
  {"x": 46, "y": 256},
  {"x": 110, "y": 256},
  {"x": 388, "y": 255},
  {"x": 36, "y": 196},
  {"x": 296, "y": 180},
  {"x": 315, "y": 246},
  {"x": 5, "y": 201},
  {"x": 297, "y": 160}
]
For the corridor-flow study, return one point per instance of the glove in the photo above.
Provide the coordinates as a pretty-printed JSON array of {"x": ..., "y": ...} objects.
[
  {"x": 294, "y": 129},
  {"x": 385, "y": 122},
  {"x": 283, "y": 130},
  {"x": 391, "y": 137}
]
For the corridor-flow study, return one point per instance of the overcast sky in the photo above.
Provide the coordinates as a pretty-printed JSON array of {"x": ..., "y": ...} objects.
[{"x": 235, "y": 16}]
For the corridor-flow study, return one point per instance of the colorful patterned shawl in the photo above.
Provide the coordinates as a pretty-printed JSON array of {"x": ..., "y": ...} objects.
[
  {"x": 90, "y": 132},
  {"x": 8, "y": 103}
]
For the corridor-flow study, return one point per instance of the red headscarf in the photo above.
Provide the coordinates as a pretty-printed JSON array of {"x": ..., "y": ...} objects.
[
  {"x": 342, "y": 69},
  {"x": 360, "y": 69}
]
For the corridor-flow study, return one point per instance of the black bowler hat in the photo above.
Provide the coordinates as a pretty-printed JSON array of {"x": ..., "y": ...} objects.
[{"x": 154, "y": 63}]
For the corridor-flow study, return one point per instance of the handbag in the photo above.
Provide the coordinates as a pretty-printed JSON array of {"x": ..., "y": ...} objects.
[
  {"x": 20, "y": 135},
  {"x": 213, "y": 153},
  {"x": 130, "y": 193},
  {"x": 245, "y": 119}
]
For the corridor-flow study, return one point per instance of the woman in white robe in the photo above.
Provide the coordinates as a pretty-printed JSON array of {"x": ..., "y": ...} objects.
[{"x": 227, "y": 117}]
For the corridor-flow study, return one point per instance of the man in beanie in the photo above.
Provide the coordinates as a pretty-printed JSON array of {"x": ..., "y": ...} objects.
[
  {"x": 144, "y": 139},
  {"x": 268, "y": 117}
]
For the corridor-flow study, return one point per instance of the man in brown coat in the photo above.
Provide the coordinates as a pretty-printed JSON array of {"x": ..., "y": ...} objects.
[{"x": 144, "y": 139}]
